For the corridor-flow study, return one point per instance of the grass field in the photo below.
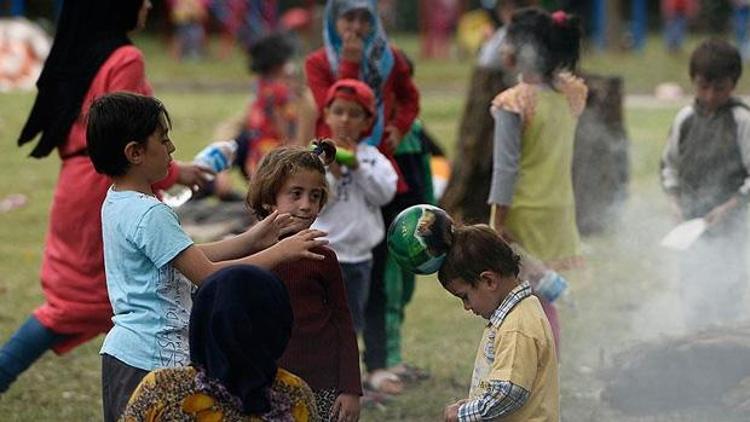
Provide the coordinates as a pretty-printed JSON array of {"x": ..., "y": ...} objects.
[{"x": 608, "y": 314}]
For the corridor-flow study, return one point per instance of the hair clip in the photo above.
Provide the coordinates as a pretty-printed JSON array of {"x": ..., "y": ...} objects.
[
  {"x": 559, "y": 17},
  {"x": 324, "y": 149}
]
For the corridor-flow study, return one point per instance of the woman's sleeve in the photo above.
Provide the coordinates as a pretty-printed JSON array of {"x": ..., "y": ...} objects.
[
  {"x": 349, "y": 376},
  {"x": 319, "y": 79},
  {"x": 506, "y": 156},
  {"x": 407, "y": 96}
]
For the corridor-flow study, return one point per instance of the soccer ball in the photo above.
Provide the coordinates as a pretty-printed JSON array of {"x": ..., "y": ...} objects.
[{"x": 419, "y": 238}]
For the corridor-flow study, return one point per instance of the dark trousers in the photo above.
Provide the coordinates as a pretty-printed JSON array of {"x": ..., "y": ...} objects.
[
  {"x": 374, "y": 332},
  {"x": 357, "y": 280},
  {"x": 119, "y": 380}
]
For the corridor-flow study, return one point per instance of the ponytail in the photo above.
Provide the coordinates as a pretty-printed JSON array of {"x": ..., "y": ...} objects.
[
  {"x": 566, "y": 41},
  {"x": 546, "y": 43}
]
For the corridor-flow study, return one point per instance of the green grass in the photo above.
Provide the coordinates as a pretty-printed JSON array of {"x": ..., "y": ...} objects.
[
  {"x": 438, "y": 334},
  {"x": 643, "y": 71}
]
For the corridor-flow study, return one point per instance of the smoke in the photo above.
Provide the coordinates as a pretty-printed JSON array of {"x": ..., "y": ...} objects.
[{"x": 653, "y": 328}]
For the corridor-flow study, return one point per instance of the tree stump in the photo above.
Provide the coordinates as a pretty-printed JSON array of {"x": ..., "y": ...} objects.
[
  {"x": 465, "y": 197},
  {"x": 600, "y": 164}
]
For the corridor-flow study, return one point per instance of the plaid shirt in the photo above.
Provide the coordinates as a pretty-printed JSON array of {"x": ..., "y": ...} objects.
[{"x": 502, "y": 397}]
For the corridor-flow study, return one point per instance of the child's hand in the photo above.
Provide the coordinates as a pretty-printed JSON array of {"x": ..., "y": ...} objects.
[
  {"x": 350, "y": 145},
  {"x": 194, "y": 176},
  {"x": 299, "y": 245},
  {"x": 335, "y": 169},
  {"x": 345, "y": 408},
  {"x": 674, "y": 205},
  {"x": 450, "y": 413},
  {"x": 267, "y": 231},
  {"x": 718, "y": 214},
  {"x": 393, "y": 137},
  {"x": 352, "y": 47}
]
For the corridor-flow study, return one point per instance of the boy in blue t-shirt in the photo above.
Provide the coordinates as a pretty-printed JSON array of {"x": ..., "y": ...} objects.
[{"x": 145, "y": 247}]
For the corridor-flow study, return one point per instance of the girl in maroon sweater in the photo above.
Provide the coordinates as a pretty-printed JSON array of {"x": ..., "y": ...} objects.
[{"x": 323, "y": 347}]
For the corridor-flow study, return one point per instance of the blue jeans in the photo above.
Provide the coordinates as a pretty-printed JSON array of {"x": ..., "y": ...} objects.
[
  {"x": 674, "y": 32},
  {"x": 741, "y": 22},
  {"x": 25, "y": 346},
  {"x": 357, "y": 281}
]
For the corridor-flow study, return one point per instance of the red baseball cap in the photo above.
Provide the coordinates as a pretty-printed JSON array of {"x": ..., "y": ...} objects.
[{"x": 352, "y": 90}]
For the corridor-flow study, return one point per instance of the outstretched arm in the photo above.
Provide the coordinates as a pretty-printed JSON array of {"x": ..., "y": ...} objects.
[
  {"x": 259, "y": 236},
  {"x": 195, "y": 265}
]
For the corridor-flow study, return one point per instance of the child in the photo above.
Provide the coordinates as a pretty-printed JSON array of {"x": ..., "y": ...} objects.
[
  {"x": 144, "y": 246},
  {"x": 323, "y": 348},
  {"x": 188, "y": 18},
  {"x": 531, "y": 194},
  {"x": 515, "y": 371},
  {"x": 360, "y": 186},
  {"x": 706, "y": 173},
  {"x": 271, "y": 118}
]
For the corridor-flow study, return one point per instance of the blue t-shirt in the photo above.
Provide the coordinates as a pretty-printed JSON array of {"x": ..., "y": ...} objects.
[{"x": 150, "y": 299}]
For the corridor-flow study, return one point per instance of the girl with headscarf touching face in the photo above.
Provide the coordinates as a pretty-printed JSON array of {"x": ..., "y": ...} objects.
[
  {"x": 240, "y": 325},
  {"x": 91, "y": 55}
]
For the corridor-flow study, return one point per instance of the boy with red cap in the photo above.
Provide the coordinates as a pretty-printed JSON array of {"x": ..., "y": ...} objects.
[{"x": 361, "y": 181}]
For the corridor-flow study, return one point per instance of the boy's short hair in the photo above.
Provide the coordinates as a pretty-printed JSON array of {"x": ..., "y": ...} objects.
[
  {"x": 270, "y": 52},
  {"x": 716, "y": 59},
  {"x": 276, "y": 167},
  {"x": 475, "y": 249},
  {"x": 117, "y": 119},
  {"x": 352, "y": 90}
]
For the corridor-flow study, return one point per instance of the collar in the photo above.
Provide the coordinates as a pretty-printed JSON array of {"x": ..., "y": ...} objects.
[{"x": 516, "y": 295}]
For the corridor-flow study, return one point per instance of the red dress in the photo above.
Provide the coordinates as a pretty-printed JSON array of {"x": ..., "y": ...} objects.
[{"x": 72, "y": 274}]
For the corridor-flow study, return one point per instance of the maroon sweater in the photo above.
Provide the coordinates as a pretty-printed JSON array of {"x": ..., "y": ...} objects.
[{"x": 323, "y": 348}]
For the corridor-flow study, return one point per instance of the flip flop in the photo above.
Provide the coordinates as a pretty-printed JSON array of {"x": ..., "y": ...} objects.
[
  {"x": 410, "y": 373},
  {"x": 385, "y": 382}
]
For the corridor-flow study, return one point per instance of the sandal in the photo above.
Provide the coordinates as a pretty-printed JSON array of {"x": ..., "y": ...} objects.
[
  {"x": 13, "y": 201},
  {"x": 384, "y": 382},
  {"x": 410, "y": 373}
]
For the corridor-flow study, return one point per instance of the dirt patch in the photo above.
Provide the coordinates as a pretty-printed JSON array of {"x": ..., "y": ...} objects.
[{"x": 710, "y": 369}]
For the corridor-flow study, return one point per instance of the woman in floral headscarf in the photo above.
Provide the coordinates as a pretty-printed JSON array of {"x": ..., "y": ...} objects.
[{"x": 356, "y": 47}]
